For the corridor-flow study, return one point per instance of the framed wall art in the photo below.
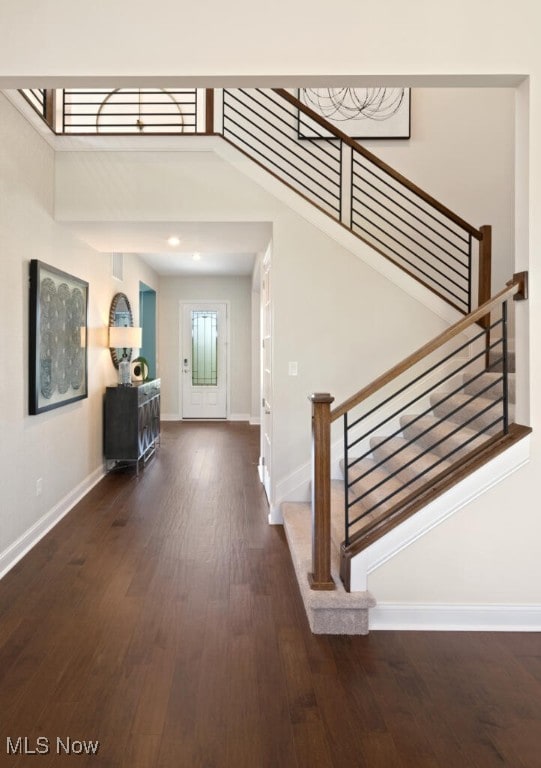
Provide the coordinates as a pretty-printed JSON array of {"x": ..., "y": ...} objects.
[
  {"x": 360, "y": 113},
  {"x": 57, "y": 338}
]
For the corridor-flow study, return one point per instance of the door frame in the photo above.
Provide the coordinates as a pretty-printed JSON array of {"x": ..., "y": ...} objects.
[
  {"x": 182, "y": 303},
  {"x": 266, "y": 337}
]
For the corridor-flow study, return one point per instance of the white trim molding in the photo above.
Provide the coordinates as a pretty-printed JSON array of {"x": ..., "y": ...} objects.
[
  {"x": 455, "y": 618},
  {"x": 296, "y": 486},
  {"x": 16, "y": 551},
  {"x": 275, "y": 514}
]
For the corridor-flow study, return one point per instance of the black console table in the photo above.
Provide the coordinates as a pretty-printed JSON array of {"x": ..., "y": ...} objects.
[{"x": 131, "y": 422}]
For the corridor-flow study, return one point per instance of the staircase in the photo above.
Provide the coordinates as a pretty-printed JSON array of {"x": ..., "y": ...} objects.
[
  {"x": 409, "y": 437},
  {"x": 384, "y": 480}
]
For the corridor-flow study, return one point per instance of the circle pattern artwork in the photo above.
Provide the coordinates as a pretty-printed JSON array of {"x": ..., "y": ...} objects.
[
  {"x": 355, "y": 103},
  {"x": 62, "y": 316}
]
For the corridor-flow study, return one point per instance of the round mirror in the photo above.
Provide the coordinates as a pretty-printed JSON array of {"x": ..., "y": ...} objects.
[{"x": 120, "y": 315}]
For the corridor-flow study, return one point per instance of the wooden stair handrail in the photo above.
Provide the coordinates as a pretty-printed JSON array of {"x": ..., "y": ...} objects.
[
  {"x": 337, "y": 133},
  {"x": 516, "y": 287}
]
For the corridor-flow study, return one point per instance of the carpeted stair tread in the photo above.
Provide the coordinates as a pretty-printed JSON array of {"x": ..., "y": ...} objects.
[
  {"x": 366, "y": 473},
  {"x": 334, "y": 612},
  {"x": 495, "y": 362},
  {"x": 407, "y": 460},
  {"x": 378, "y": 489},
  {"x": 444, "y": 438},
  {"x": 479, "y": 413},
  {"x": 491, "y": 379}
]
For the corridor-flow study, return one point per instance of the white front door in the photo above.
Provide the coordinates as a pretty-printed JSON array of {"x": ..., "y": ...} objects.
[{"x": 204, "y": 360}]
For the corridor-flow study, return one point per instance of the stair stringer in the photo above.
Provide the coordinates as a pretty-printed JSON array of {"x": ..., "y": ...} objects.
[
  {"x": 336, "y": 231},
  {"x": 436, "y": 512}
]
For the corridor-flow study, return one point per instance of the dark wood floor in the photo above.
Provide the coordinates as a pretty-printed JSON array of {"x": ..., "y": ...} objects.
[{"x": 162, "y": 619}]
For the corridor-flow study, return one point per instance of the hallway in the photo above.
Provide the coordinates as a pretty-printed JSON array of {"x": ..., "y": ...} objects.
[{"x": 161, "y": 618}]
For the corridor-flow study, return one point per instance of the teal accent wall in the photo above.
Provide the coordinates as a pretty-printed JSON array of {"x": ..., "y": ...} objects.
[{"x": 147, "y": 318}]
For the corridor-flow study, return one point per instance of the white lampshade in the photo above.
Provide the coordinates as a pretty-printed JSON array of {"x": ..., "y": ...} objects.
[{"x": 125, "y": 337}]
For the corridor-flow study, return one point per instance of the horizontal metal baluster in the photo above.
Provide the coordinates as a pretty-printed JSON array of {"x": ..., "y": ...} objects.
[
  {"x": 294, "y": 143},
  {"x": 405, "y": 247},
  {"x": 273, "y": 138},
  {"x": 404, "y": 260},
  {"x": 409, "y": 482},
  {"x": 395, "y": 227},
  {"x": 479, "y": 433},
  {"x": 179, "y": 105},
  {"x": 325, "y": 143},
  {"x": 294, "y": 178},
  {"x": 441, "y": 248},
  {"x": 411, "y": 383},
  {"x": 412, "y": 200},
  {"x": 411, "y": 214}
]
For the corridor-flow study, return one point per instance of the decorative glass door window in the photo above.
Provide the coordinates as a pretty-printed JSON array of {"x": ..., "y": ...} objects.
[{"x": 204, "y": 348}]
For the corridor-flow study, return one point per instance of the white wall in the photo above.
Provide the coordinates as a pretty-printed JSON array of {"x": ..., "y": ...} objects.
[
  {"x": 238, "y": 292},
  {"x": 62, "y": 447}
]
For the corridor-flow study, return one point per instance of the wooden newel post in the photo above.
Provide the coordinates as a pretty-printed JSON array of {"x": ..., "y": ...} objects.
[
  {"x": 50, "y": 108},
  {"x": 320, "y": 578},
  {"x": 485, "y": 269},
  {"x": 209, "y": 111}
]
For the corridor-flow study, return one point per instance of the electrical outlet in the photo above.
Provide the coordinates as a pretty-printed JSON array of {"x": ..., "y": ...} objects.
[
  {"x": 293, "y": 369},
  {"x": 39, "y": 486}
]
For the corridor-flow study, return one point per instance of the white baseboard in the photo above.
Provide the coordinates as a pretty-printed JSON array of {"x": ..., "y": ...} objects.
[
  {"x": 231, "y": 417},
  {"x": 275, "y": 514},
  {"x": 296, "y": 486},
  {"x": 10, "y": 556},
  {"x": 455, "y": 618},
  {"x": 239, "y": 417},
  {"x": 255, "y": 421}
]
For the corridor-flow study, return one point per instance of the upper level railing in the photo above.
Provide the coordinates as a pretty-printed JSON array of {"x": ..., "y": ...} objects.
[
  {"x": 265, "y": 126},
  {"x": 332, "y": 171},
  {"x": 414, "y": 425},
  {"x": 130, "y": 110}
]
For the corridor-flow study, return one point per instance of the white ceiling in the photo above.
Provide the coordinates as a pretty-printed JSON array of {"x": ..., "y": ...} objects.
[{"x": 226, "y": 248}]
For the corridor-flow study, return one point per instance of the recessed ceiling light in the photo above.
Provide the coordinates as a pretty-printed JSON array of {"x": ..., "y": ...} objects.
[
  {"x": 196, "y": 256},
  {"x": 173, "y": 240}
]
